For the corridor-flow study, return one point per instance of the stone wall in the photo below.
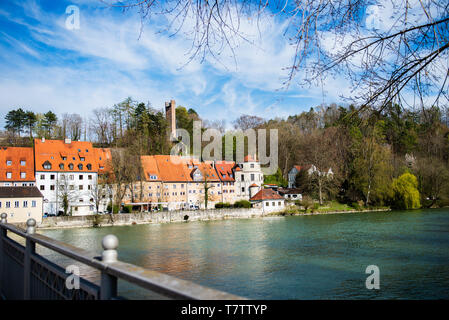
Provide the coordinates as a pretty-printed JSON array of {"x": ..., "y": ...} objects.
[{"x": 153, "y": 217}]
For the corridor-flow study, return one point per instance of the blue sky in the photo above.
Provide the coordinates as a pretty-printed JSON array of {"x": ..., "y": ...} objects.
[{"x": 46, "y": 66}]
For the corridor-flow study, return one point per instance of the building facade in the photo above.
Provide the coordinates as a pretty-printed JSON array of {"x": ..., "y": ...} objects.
[
  {"x": 67, "y": 171},
  {"x": 21, "y": 203},
  {"x": 16, "y": 167}
]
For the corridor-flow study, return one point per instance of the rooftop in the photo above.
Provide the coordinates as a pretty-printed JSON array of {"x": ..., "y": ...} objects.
[
  {"x": 266, "y": 194},
  {"x": 20, "y": 192}
]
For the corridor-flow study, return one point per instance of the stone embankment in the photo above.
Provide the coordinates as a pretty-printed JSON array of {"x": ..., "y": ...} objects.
[{"x": 149, "y": 217}]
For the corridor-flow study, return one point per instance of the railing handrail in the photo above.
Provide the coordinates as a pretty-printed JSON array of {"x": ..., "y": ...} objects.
[{"x": 164, "y": 284}]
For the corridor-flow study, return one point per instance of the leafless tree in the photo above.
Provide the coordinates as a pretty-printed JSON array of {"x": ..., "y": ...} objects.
[
  {"x": 246, "y": 121},
  {"x": 389, "y": 50}
]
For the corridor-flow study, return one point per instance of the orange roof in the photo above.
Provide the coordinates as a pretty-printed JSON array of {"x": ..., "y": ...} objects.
[
  {"x": 172, "y": 168},
  {"x": 103, "y": 156},
  {"x": 250, "y": 158},
  {"x": 266, "y": 194},
  {"x": 150, "y": 168},
  {"x": 175, "y": 168},
  {"x": 253, "y": 185},
  {"x": 63, "y": 157},
  {"x": 16, "y": 155},
  {"x": 224, "y": 170}
]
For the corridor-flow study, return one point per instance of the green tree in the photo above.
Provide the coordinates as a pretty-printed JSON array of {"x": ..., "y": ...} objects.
[
  {"x": 15, "y": 121},
  {"x": 405, "y": 192}
]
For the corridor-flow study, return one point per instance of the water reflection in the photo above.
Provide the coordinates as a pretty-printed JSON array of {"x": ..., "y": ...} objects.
[{"x": 309, "y": 257}]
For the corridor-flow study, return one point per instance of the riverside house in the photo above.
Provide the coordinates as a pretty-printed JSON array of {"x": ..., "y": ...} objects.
[{"x": 21, "y": 203}]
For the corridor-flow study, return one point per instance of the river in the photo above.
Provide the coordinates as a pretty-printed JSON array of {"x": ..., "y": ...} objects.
[{"x": 299, "y": 257}]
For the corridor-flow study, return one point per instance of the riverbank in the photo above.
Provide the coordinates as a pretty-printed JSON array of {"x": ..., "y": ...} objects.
[
  {"x": 172, "y": 217},
  {"x": 148, "y": 218}
]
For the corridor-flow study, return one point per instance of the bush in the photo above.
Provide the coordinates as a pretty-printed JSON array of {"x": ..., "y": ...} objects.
[
  {"x": 220, "y": 205},
  {"x": 109, "y": 208},
  {"x": 315, "y": 207},
  {"x": 242, "y": 204}
]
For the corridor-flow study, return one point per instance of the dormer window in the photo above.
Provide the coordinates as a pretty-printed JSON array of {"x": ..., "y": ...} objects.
[
  {"x": 64, "y": 158},
  {"x": 8, "y": 162},
  {"x": 80, "y": 166},
  {"x": 23, "y": 175},
  {"x": 82, "y": 158},
  {"x": 23, "y": 163},
  {"x": 61, "y": 166},
  {"x": 71, "y": 166},
  {"x": 46, "y": 165},
  {"x": 89, "y": 166}
]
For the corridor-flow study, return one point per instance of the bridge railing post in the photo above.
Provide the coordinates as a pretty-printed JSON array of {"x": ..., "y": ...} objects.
[
  {"x": 30, "y": 249},
  {"x": 2, "y": 254},
  {"x": 108, "y": 288}
]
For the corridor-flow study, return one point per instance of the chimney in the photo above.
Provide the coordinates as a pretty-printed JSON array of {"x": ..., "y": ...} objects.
[
  {"x": 43, "y": 140},
  {"x": 67, "y": 141},
  {"x": 170, "y": 115}
]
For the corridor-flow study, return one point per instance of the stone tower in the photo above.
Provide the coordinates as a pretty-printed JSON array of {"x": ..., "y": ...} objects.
[{"x": 170, "y": 115}]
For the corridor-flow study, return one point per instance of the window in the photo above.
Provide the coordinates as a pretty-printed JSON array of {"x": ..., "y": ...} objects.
[
  {"x": 81, "y": 200},
  {"x": 89, "y": 166},
  {"x": 89, "y": 187},
  {"x": 243, "y": 189},
  {"x": 61, "y": 187},
  {"x": 82, "y": 158},
  {"x": 52, "y": 177},
  {"x": 42, "y": 187},
  {"x": 89, "y": 177},
  {"x": 33, "y": 203},
  {"x": 72, "y": 187},
  {"x": 8, "y": 162},
  {"x": 8, "y": 175},
  {"x": 16, "y": 204},
  {"x": 46, "y": 165},
  {"x": 174, "y": 186},
  {"x": 61, "y": 166},
  {"x": 252, "y": 176},
  {"x": 267, "y": 204},
  {"x": 64, "y": 158},
  {"x": 42, "y": 177},
  {"x": 279, "y": 203},
  {"x": 23, "y": 162},
  {"x": 71, "y": 177},
  {"x": 25, "y": 204},
  {"x": 243, "y": 177},
  {"x": 252, "y": 165},
  {"x": 80, "y": 166},
  {"x": 80, "y": 177},
  {"x": 71, "y": 166},
  {"x": 81, "y": 187},
  {"x": 8, "y": 204},
  {"x": 52, "y": 187},
  {"x": 273, "y": 204}
]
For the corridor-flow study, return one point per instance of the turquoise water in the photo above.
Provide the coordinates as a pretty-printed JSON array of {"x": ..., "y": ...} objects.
[{"x": 301, "y": 257}]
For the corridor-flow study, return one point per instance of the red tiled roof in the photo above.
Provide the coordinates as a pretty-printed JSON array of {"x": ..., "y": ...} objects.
[
  {"x": 16, "y": 155},
  {"x": 253, "y": 185},
  {"x": 250, "y": 158},
  {"x": 53, "y": 151},
  {"x": 175, "y": 168},
  {"x": 224, "y": 170},
  {"x": 266, "y": 194}
]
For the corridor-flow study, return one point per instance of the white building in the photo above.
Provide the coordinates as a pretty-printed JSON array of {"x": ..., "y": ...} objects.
[
  {"x": 246, "y": 174},
  {"x": 69, "y": 169},
  {"x": 268, "y": 200}
]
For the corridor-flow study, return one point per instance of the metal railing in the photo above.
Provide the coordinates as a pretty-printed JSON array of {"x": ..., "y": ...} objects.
[{"x": 24, "y": 274}]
